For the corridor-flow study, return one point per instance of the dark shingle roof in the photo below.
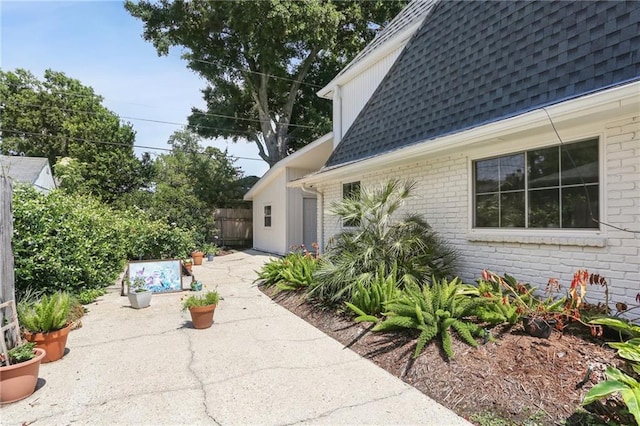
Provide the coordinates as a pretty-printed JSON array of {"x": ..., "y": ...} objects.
[
  {"x": 474, "y": 62},
  {"x": 414, "y": 11}
]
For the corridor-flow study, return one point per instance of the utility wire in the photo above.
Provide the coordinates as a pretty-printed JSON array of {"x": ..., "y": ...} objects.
[
  {"x": 265, "y": 74},
  {"x": 21, "y": 132},
  {"x": 168, "y": 122}
]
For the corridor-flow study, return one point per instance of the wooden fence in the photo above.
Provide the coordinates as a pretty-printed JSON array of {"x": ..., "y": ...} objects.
[{"x": 235, "y": 227}]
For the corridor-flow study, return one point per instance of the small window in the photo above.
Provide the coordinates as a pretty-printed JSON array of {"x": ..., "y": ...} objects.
[
  {"x": 351, "y": 190},
  {"x": 555, "y": 187},
  {"x": 267, "y": 216}
]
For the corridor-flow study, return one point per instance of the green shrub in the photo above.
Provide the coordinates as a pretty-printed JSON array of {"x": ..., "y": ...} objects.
[
  {"x": 368, "y": 299},
  {"x": 75, "y": 243},
  {"x": 355, "y": 255},
  {"x": 291, "y": 272},
  {"x": 89, "y": 296},
  {"x": 433, "y": 310}
]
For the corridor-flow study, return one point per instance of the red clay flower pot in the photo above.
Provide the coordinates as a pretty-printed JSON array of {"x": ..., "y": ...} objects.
[
  {"x": 18, "y": 381},
  {"x": 197, "y": 257},
  {"x": 52, "y": 342},
  {"x": 202, "y": 316}
]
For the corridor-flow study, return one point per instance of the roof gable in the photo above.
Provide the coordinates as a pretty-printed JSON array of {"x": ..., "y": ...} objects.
[
  {"x": 23, "y": 169},
  {"x": 477, "y": 62}
]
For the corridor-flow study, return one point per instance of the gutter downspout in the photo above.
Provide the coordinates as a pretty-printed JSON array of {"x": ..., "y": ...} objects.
[{"x": 319, "y": 228}]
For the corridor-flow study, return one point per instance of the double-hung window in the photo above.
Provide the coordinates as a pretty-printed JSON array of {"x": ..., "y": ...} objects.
[
  {"x": 551, "y": 187},
  {"x": 267, "y": 216},
  {"x": 350, "y": 190}
]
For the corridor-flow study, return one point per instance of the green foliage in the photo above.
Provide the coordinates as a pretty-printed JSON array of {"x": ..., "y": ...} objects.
[
  {"x": 75, "y": 243},
  {"x": 291, "y": 272},
  {"x": 58, "y": 117},
  {"x": 408, "y": 244},
  {"x": 263, "y": 64},
  {"x": 368, "y": 299},
  {"x": 434, "y": 310},
  {"x": 623, "y": 327},
  {"x": 617, "y": 381},
  {"x": 210, "y": 298},
  {"x": 501, "y": 307},
  {"x": 50, "y": 313},
  {"x": 22, "y": 353},
  {"x": 86, "y": 297}
]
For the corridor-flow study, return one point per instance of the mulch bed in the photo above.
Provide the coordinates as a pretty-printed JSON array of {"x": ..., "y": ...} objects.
[{"x": 518, "y": 378}]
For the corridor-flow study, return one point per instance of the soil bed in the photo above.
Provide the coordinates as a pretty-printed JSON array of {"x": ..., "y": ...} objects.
[{"x": 517, "y": 379}]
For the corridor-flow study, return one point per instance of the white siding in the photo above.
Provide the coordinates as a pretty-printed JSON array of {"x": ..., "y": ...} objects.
[
  {"x": 358, "y": 90},
  {"x": 273, "y": 239},
  {"x": 444, "y": 198},
  {"x": 294, "y": 208}
]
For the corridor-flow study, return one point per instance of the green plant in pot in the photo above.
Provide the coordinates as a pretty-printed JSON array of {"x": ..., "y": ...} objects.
[
  {"x": 201, "y": 307},
  {"x": 46, "y": 323},
  {"x": 19, "y": 360},
  {"x": 210, "y": 250},
  {"x": 139, "y": 295}
]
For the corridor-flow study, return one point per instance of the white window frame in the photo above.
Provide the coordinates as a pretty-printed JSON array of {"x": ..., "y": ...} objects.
[{"x": 266, "y": 216}]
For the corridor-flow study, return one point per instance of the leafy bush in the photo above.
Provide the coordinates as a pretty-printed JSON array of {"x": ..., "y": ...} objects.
[
  {"x": 356, "y": 254},
  {"x": 368, "y": 301},
  {"x": 75, "y": 243},
  {"x": 433, "y": 310},
  {"x": 291, "y": 272},
  {"x": 89, "y": 296}
]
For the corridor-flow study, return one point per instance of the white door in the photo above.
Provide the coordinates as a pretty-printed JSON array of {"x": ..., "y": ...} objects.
[{"x": 309, "y": 222}]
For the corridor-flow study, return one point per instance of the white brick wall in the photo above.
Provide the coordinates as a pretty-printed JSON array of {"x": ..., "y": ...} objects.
[{"x": 442, "y": 196}]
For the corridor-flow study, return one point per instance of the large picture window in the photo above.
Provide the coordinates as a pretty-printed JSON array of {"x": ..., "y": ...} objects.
[{"x": 554, "y": 187}]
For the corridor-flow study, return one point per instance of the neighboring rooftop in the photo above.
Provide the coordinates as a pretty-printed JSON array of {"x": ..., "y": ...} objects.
[
  {"x": 477, "y": 62},
  {"x": 23, "y": 169}
]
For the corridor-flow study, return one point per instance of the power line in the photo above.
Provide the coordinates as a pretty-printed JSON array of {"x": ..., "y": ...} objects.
[
  {"x": 21, "y": 132},
  {"x": 169, "y": 122},
  {"x": 265, "y": 74}
]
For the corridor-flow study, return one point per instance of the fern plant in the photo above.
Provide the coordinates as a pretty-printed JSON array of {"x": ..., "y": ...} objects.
[
  {"x": 434, "y": 310},
  {"x": 293, "y": 271},
  {"x": 48, "y": 314},
  {"x": 368, "y": 299}
]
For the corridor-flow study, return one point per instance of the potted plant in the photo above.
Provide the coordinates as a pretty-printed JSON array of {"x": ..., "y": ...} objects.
[
  {"x": 19, "y": 373},
  {"x": 188, "y": 264},
  {"x": 210, "y": 250},
  {"x": 539, "y": 316},
  {"x": 139, "y": 295},
  {"x": 201, "y": 307},
  {"x": 46, "y": 323},
  {"x": 197, "y": 256}
]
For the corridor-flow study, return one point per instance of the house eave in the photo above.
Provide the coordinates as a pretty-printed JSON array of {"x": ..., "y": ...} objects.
[
  {"x": 289, "y": 161},
  {"x": 614, "y": 102},
  {"x": 375, "y": 56}
]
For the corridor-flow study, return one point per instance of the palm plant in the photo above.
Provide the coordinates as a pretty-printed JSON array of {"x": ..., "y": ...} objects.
[
  {"x": 434, "y": 310},
  {"x": 379, "y": 239}
]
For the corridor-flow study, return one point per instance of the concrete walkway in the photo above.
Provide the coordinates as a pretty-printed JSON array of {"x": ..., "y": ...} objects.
[{"x": 258, "y": 364}]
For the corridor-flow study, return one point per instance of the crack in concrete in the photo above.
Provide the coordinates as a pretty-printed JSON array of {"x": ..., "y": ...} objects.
[
  {"x": 202, "y": 385},
  {"x": 278, "y": 367},
  {"x": 345, "y": 407},
  {"x": 125, "y": 339}
]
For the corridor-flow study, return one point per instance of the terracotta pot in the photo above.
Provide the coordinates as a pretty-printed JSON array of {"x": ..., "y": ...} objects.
[
  {"x": 197, "y": 257},
  {"x": 202, "y": 316},
  {"x": 538, "y": 327},
  {"x": 52, "y": 342},
  {"x": 18, "y": 381},
  {"x": 189, "y": 267}
]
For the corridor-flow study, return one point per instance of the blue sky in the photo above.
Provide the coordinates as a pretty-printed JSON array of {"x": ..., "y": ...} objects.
[{"x": 100, "y": 44}]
